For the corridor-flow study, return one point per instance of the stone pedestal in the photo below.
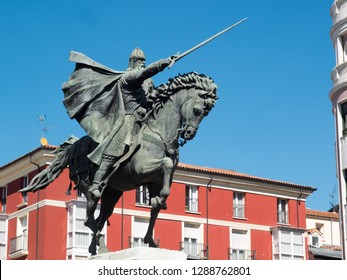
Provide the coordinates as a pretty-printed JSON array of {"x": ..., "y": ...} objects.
[{"x": 142, "y": 253}]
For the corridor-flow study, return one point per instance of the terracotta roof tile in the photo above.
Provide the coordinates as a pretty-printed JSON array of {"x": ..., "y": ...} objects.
[
  {"x": 321, "y": 214},
  {"x": 312, "y": 230},
  {"x": 236, "y": 174},
  {"x": 208, "y": 170}
]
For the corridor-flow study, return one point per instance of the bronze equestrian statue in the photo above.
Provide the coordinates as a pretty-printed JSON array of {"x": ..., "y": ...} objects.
[{"x": 134, "y": 131}]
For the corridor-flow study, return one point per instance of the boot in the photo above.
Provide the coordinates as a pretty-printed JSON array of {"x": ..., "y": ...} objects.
[{"x": 98, "y": 184}]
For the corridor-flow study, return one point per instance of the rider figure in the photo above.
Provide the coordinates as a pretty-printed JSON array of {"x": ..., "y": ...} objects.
[{"x": 135, "y": 85}]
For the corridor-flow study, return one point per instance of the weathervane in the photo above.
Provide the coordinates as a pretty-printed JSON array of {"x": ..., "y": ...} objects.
[{"x": 42, "y": 121}]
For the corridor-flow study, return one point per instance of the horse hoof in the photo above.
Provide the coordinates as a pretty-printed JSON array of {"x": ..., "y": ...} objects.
[
  {"x": 154, "y": 202},
  {"x": 158, "y": 202},
  {"x": 164, "y": 206},
  {"x": 152, "y": 245}
]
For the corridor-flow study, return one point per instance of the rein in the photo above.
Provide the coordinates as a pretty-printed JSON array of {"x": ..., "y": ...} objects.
[{"x": 167, "y": 143}]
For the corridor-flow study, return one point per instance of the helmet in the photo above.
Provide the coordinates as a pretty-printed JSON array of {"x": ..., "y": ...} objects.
[{"x": 137, "y": 54}]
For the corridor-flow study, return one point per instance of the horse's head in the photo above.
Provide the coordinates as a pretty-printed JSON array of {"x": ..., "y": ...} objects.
[
  {"x": 203, "y": 98},
  {"x": 197, "y": 96}
]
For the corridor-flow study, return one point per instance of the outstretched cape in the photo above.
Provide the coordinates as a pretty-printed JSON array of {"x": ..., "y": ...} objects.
[{"x": 92, "y": 97}]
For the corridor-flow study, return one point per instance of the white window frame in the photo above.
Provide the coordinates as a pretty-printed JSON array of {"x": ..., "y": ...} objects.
[
  {"x": 282, "y": 211},
  {"x": 192, "y": 198},
  {"x": 78, "y": 235},
  {"x": 192, "y": 240},
  {"x": 285, "y": 244},
  {"x": 22, "y": 230},
  {"x": 25, "y": 182},
  {"x": 3, "y": 236},
  {"x": 343, "y": 111},
  {"x": 139, "y": 226},
  {"x": 239, "y": 206},
  {"x": 237, "y": 249},
  {"x": 315, "y": 241},
  {"x": 142, "y": 196},
  {"x": 3, "y": 199}
]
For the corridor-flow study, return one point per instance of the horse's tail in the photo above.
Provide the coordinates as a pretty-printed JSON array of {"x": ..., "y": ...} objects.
[{"x": 48, "y": 175}]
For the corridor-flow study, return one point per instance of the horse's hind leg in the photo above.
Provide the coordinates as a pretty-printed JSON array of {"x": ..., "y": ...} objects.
[
  {"x": 108, "y": 201},
  {"x": 91, "y": 223}
]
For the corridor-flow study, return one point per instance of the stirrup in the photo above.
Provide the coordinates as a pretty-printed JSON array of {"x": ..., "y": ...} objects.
[
  {"x": 95, "y": 186},
  {"x": 95, "y": 189}
]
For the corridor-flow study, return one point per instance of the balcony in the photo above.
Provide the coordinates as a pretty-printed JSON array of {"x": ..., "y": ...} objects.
[
  {"x": 139, "y": 242},
  {"x": 241, "y": 254},
  {"x": 338, "y": 75},
  {"x": 194, "y": 251},
  {"x": 338, "y": 10},
  {"x": 18, "y": 246}
]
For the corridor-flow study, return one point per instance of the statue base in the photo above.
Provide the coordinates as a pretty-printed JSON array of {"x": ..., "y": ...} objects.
[{"x": 142, "y": 253}]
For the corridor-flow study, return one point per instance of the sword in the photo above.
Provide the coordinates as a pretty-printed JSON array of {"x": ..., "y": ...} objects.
[{"x": 179, "y": 56}]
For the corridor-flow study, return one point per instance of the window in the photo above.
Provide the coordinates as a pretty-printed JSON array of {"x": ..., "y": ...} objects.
[
  {"x": 139, "y": 228},
  {"x": 19, "y": 244},
  {"x": 79, "y": 236},
  {"x": 240, "y": 248},
  {"x": 315, "y": 241},
  {"x": 142, "y": 195},
  {"x": 192, "y": 198},
  {"x": 24, "y": 185},
  {"x": 3, "y": 199},
  {"x": 239, "y": 205},
  {"x": 191, "y": 247},
  {"x": 282, "y": 211},
  {"x": 344, "y": 118},
  {"x": 192, "y": 244},
  {"x": 288, "y": 244},
  {"x": 23, "y": 226},
  {"x": 3, "y": 238}
]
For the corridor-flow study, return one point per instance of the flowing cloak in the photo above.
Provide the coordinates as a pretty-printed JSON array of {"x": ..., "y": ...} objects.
[{"x": 93, "y": 97}]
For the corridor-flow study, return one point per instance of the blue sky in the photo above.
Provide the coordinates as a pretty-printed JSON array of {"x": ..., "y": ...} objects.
[{"x": 273, "y": 118}]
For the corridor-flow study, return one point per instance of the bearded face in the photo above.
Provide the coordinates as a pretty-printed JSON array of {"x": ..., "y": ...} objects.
[{"x": 135, "y": 62}]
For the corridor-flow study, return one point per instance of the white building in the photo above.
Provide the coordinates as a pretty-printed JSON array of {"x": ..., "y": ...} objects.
[
  {"x": 338, "y": 97},
  {"x": 323, "y": 234}
]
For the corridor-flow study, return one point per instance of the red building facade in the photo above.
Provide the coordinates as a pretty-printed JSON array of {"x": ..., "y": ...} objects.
[{"x": 212, "y": 214}]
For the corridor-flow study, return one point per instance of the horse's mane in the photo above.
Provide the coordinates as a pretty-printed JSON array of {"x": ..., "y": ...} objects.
[{"x": 162, "y": 93}]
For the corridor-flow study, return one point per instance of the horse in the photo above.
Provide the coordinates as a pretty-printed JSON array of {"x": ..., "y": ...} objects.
[{"x": 176, "y": 110}]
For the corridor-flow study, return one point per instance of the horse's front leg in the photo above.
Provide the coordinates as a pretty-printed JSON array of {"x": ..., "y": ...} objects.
[
  {"x": 166, "y": 168},
  {"x": 158, "y": 193},
  {"x": 108, "y": 201},
  {"x": 149, "y": 235}
]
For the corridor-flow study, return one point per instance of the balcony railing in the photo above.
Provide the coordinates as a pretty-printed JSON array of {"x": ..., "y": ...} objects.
[
  {"x": 192, "y": 204},
  {"x": 282, "y": 217},
  {"x": 338, "y": 10},
  {"x": 239, "y": 211},
  {"x": 19, "y": 246},
  {"x": 338, "y": 74},
  {"x": 241, "y": 254},
  {"x": 194, "y": 251},
  {"x": 139, "y": 242}
]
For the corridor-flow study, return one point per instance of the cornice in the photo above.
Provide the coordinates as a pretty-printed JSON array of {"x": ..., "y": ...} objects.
[
  {"x": 241, "y": 184},
  {"x": 24, "y": 165}
]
